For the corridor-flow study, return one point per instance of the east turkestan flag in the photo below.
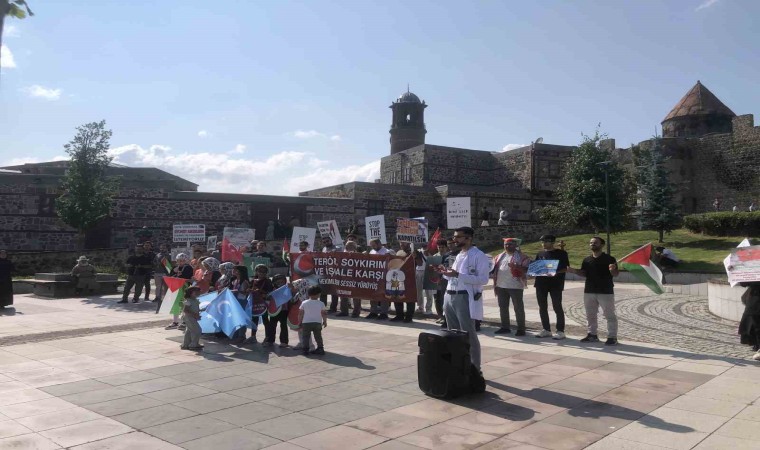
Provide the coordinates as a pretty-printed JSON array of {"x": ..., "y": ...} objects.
[
  {"x": 640, "y": 264},
  {"x": 175, "y": 295}
]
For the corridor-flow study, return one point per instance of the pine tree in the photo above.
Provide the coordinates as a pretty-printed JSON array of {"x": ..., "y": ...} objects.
[
  {"x": 87, "y": 192},
  {"x": 657, "y": 209},
  {"x": 581, "y": 197}
]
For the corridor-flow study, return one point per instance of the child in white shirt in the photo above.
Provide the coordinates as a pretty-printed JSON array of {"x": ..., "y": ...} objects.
[{"x": 313, "y": 317}]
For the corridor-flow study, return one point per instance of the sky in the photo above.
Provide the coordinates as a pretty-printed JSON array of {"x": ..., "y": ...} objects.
[{"x": 278, "y": 97}]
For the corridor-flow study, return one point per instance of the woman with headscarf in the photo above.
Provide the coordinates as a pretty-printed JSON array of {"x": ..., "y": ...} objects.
[
  {"x": 210, "y": 274},
  {"x": 6, "y": 281},
  {"x": 183, "y": 270},
  {"x": 226, "y": 270}
]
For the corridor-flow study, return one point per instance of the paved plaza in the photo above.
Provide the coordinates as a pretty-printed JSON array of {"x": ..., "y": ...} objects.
[{"x": 67, "y": 382}]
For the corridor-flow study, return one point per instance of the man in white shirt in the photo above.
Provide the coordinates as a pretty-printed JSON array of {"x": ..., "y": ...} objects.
[
  {"x": 378, "y": 310},
  {"x": 509, "y": 282},
  {"x": 463, "y": 302}
]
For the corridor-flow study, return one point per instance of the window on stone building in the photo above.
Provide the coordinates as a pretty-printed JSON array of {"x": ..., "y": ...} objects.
[
  {"x": 407, "y": 174},
  {"x": 375, "y": 207},
  {"x": 46, "y": 205},
  {"x": 554, "y": 170}
]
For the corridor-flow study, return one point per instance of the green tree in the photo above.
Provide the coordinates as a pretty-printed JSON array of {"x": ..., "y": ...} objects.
[
  {"x": 87, "y": 192},
  {"x": 12, "y": 8},
  {"x": 581, "y": 197},
  {"x": 658, "y": 211}
]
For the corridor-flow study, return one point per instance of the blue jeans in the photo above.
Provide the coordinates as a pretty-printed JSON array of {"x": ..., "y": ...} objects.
[{"x": 456, "y": 307}]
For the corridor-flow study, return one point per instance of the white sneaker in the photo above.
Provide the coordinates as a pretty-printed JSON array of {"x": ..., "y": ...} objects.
[
  {"x": 757, "y": 356},
  {"x": 543, "y": 334},
  {"x": 558, "y": 336}
]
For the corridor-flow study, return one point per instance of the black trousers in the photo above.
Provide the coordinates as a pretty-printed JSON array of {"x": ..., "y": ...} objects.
[
  {"x": 542, "y": 295},
  {"x": 333, "y": 301},
  {"x": 148, "y": 277},
  {"x": 136, "y": 281},
  {"x": 270, "y": 327},
  {"x": 409, "y": 309},
  {"x": 439, "y": 301}
]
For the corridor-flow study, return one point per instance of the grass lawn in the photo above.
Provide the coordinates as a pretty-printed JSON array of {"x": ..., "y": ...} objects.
[{"x": 698, "y": 253}]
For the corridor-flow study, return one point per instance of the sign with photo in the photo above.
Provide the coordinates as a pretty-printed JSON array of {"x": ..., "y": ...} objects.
[
  {"x": 302, "y": 234},
  {"x": 235, "y": 241},
  {"x": 330, "y": 229}
]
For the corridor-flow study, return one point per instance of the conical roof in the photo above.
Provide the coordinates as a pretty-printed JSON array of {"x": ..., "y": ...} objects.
[{"x": 699, "y": 101}]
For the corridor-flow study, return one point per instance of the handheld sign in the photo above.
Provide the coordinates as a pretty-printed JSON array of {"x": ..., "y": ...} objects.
[{"x": 543, "y": 268}]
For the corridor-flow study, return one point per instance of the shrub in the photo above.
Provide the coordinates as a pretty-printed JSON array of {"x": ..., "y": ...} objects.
[{"x": 724, "y": 223}]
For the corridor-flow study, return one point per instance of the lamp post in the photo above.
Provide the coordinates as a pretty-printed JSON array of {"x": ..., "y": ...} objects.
[{"x": 606, "y": 166}]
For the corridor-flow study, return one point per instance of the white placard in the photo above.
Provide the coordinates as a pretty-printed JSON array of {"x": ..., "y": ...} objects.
[
  {"x": 330, "y": 229},
  {"x": 189, "y": 233},
  {"x": 375, "y": 228},
  {"x": 458, "y": 213},
  {"x": 211, "y": 243},
  {"x": 303, "y": 234}
]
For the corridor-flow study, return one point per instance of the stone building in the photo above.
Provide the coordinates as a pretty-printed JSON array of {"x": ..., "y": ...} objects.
[{"x": 713, "y": 153}]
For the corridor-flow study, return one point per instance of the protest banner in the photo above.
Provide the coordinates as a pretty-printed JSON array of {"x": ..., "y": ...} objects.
[
  {"x": 358, "y": 275},
  {"x": 301, "y": 234},
  {"x": 543, "y": 268},
  {"x": 743, "y": 265},
  {"x": 458, "y": 213},
  {"x": 375, "y": 228},
  {"x": 234, "y": 242},
  {"x": 211, "y": 243},
  {"x": 432, "y": 278},
  {"x": 412, "y": 230},
  {"x": 189, "y": 233},
  {"x": 330, "y": 229},
  {"x": 252, "y": 261}
]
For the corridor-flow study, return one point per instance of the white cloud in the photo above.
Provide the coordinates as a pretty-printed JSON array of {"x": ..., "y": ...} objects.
[
  {"x": 37, "y": 91},
  {"x": 335, "y": 138},
  {"x": 11, "y": 31},
  {"x": 706, "y": 4},
  {"x": 284, "y": 173},
  {"x": 6, "y": 58},
  {"x": 203, "y": 134},
  {"x": 303, "y": 134},
  {"x": 240, "y": 148},
  {"x": 509, "y": 147}
]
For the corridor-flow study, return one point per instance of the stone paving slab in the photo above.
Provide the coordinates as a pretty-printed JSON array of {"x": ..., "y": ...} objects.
[{"x": 136, "y": 389}]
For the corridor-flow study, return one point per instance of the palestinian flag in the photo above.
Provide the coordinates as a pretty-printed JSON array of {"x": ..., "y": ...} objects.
[
  {"x": 175, "y": 295},
  {"x": 285, "y": 249},
  {"x": 167, "y": 265},
  {"x": 640, "y": 264}
]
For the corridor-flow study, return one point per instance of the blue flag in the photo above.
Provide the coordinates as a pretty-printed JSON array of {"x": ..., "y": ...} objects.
[
  {"x": 207, "y": 323},
  {"x": 226, "y": 311},
  {"x": 543, "y": 268},
  {"x": 281, "y": 295}
]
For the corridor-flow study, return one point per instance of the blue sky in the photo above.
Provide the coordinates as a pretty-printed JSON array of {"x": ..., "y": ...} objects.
[{"x": 280, "y": 96}]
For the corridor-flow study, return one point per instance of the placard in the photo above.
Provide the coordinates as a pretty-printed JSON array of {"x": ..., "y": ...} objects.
[
  {"x": 743, "y": 265},
  {"x": 211, "y": 243},
  {"x": 358, "y": 275},
  {"x": 412, "y": 230},
  {"x": 302, "y": 234},
  {"x": 375, "y": 228},
  {"x": 543, "y": 268},
  {"x": 330, "y": 229},
  {"x": 189, "y": 233},
  {"x": 458, "y": 212},
  {"x": 234, "y": 241}
]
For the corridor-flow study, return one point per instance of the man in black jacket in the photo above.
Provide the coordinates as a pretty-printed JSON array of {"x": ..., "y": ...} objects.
[{"x": 551, "y": 286}]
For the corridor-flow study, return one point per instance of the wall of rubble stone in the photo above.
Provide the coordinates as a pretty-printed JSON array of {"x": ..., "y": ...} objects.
[{"x": 105, "y": 260}]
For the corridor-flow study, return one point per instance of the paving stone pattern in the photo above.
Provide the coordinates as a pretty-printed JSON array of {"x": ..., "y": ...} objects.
[{"x": 138, "y": 390}]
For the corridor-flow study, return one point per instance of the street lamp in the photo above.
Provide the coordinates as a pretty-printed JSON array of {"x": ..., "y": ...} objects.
[{"x": 606, "y": 166}]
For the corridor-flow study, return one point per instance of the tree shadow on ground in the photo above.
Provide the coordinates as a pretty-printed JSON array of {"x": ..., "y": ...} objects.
[
  {"x": 583, "y": 408},
  {"x": 111, "y": 304}
]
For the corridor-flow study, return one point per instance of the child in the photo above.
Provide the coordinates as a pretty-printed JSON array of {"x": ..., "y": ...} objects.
[
  {"x": 313, "y": 317},
  {"x": 261, "y": 287},
  {"x": 191, "y": 314},
  {"x": 300, "y": 289},
  {"x": 270, "y": 322}
]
